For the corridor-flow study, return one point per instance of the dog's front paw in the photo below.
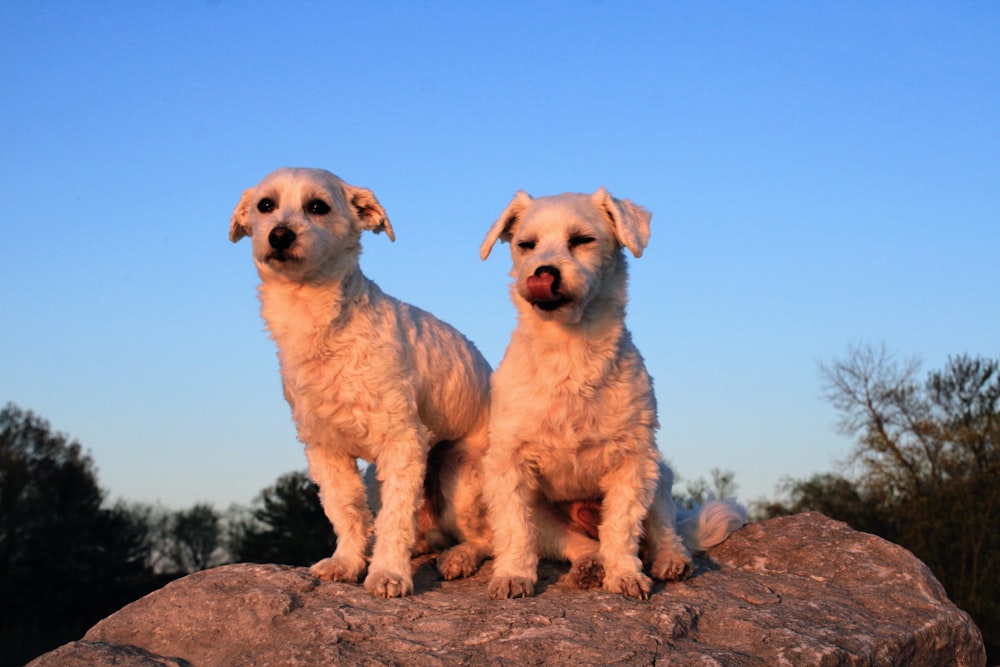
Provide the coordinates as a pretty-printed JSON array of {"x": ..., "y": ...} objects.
[
  {"x": 460, "y": 561},
  {"x": 631, "y": 584},
  {"x": 672, "y": 567},
  {"x": 501, "y": 588},
  {"x": 388, "y": 585},
  {"x": 337, "y": 569},
  {"x": 586, "y": 572}
]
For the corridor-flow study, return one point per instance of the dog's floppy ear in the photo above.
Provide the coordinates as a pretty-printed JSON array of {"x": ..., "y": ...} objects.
[
  {"x": 368, "y": 211},
  {"x": 238, "y": 227},
  {"x": 630, "y": 222},
  {"x": 503, "y": 228}
]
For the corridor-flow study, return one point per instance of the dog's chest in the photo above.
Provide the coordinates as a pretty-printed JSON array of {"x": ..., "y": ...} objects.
[
  {"x": 563, "y": 474},
  {"x": 577, "y": 395},
  {"x": 324, "y": 343},
  {"x": 572, "y": 418}
]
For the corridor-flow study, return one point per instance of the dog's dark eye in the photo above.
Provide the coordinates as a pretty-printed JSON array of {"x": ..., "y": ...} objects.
[
  {"x": 579, "y": 240},
  {"x": 526, "y": 245},
  {"x": 265, "y": 205},
  {"x": 318, "y": 207}
]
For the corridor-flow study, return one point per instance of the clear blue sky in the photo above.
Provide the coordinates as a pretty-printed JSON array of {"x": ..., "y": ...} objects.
[{"x": 819, "y": 174}]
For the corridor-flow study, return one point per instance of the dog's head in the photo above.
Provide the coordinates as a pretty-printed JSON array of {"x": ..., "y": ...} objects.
[
  {"x": 306, "y": 224},
  {"x": 567, "y": 250}
]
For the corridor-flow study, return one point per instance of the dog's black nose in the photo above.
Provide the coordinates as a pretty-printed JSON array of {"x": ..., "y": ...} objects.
[{"x": 281, "y": 238}]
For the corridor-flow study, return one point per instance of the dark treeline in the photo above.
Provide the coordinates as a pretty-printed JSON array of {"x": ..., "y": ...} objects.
[
  {"x": 926, "y": 475},
  {"x": 68, "y": 559}
]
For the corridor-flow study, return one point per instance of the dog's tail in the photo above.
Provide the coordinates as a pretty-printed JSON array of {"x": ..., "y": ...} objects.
[{"x": 704, "y": 527}]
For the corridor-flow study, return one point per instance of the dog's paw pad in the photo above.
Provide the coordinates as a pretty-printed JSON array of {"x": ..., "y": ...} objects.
[
  {"x": 586, "y": 572},
  {"x": 634, "y": 585},
  {"x": 459, "y": 561},
  {"x": 501, "y": 588},
  {"x": 335, "y": 569},
  {"x": 672, "y": 569},
  {"x": 388, "y": 585}
]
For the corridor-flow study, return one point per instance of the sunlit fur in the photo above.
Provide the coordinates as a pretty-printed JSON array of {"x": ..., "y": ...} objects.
[
  {"x": 369, "y": 377},
  {"x": 573, "y": 414}
]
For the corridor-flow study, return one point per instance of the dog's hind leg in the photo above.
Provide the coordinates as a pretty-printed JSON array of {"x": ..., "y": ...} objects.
[
  {"x": 668, "y": 557},
  {"x": 464, "y": 559},
  {"x": 342, "y": 495},
  {"x": 560, "y": 539},
  {"x": 465, "y": 515}
]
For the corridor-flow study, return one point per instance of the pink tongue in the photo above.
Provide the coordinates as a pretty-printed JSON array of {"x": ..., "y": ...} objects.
[{"x": 540, "y": 287}]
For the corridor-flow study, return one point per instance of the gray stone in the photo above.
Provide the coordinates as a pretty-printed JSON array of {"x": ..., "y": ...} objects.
[{"x": 802, "y": 590}]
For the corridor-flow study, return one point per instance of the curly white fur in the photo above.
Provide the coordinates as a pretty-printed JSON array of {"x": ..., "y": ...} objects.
[
  {"x": 573, "y": 414},
  {"x": 369, "y": 377}
]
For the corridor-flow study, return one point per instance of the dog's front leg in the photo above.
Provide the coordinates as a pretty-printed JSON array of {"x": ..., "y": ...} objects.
[
  {"x": 342, "y": 494},
  {"x": 515, "y": 541},
  {"x": 401, "y": 480},
  {"x": 628, "y": 492}
]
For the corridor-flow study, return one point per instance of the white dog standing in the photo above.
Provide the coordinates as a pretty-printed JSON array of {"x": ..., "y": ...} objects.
[
  {"x": 367, "y": 377},
  {"x": 573, "y": 413}
]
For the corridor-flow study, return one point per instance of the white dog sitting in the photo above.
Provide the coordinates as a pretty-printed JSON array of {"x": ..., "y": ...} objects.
[
  {"x": 368, "y": 377},
  {"x": 573, "y": 415}
]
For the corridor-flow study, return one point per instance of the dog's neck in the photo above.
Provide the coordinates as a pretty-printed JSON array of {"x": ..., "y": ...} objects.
[
  {"x": 301, "y": 315},
  {"x": 604, "y": 330},
  {"x": 570, "y": 357}
]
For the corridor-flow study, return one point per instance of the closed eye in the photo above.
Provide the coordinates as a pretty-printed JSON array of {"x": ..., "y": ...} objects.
[
  {"x": 576, "y": 241},
  {"x": 266, "y": 205},
  {"x": 317, "y": 207},
  {"x": 526, "y": 245}
]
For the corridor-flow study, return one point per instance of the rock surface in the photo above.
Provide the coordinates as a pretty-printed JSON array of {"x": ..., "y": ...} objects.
[{"x": 802, "y": 590}]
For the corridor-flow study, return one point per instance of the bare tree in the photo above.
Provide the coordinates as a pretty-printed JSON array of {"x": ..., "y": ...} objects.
[
  {"x": 929, "y": 457},
  {"x": 877, "y": 401}
]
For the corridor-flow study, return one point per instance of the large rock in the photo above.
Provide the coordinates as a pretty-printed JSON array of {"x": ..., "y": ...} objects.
[{"x": 803, "y": 590}]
